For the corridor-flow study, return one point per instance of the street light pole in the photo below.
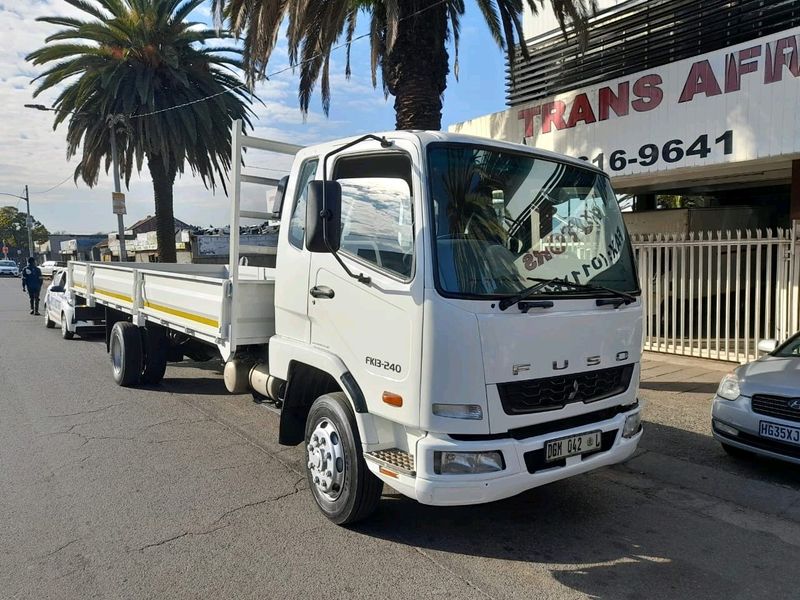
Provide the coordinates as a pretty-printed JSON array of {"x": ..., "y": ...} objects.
[
  {"x": 123, "y": 255},
  {"x": 118, "y": 198}
]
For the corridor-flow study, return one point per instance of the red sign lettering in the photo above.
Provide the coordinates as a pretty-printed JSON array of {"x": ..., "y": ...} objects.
[{"x": 701, "y": 79}]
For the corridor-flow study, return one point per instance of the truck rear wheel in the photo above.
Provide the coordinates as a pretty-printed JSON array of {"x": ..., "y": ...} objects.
[
  {"x": 125, "y": 347},
  {"x": 154, "y": 365},
  {"x": 343, "y": 486}
]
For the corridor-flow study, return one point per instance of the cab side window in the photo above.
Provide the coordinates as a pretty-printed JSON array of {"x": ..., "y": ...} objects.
[
  {"x": 377, "y": 211},
  {"x": 297, "y": 223}
]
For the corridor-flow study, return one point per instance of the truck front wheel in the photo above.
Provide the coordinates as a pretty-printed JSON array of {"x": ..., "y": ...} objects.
[
  {"x": 343, "y": 487},
  {"x": 125, "y": 347}
]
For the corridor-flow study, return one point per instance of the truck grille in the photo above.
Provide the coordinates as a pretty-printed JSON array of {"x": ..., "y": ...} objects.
[
  {"x": 552, "y": 393},
  {"x": 775, "y": 406}
]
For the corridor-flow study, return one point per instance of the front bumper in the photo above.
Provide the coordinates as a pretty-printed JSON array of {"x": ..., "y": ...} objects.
[
  {"x": 450, "y": 490},
  {"x": 739, "y": 415}
]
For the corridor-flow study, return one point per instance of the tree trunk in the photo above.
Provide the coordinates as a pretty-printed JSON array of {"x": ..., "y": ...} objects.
[
  {"x": 163, "y": 180},
  {"x": 415, "y": 72}
]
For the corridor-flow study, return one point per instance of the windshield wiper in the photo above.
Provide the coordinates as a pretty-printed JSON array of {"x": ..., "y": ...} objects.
[
  {"x": 506, "y": 303},
  {"x": 590, "y": 287},
  {"x": 520, "y": 296}
]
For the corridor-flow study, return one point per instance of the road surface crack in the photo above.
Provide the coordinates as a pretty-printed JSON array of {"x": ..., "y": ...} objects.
[
  {"x": 228, "y": 513},
  {"x": 60, "y": 548},
  {"x": 216, "y": 526},
  {"x": 450, "y": 571},
  {"x": 83, "y": 412},
  {"x": 183, "y": 535}
]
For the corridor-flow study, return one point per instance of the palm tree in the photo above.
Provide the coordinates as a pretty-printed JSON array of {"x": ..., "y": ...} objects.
[
  {"x": 130, "y": 65},
  {"x": 408, "y": 42}
]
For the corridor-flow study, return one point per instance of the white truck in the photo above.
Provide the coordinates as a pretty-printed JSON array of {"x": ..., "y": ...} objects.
[{"x": 456, "y": 317}]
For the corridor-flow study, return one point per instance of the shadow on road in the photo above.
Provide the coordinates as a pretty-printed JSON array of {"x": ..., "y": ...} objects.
[
  {"x": 705, "y": 450},
  {"x": 595, "y": 536},
  {"x": 588, "y": 541},
  {"x": 195, "y": 386},
  {"x": 695, "y": 387}
]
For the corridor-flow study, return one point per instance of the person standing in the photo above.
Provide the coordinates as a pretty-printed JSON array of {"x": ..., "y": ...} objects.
[{"x": 32, "y": 283}]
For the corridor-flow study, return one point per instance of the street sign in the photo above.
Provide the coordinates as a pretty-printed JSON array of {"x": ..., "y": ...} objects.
[{"x": 118, "y": 203}]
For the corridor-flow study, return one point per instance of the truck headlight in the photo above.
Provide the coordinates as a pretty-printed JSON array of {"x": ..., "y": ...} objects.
[
  {"x": 458, "y": 411},
  {"x": 633, "y": 423},
  {"x": 729, "y": 387},
  {"x": 467, "y": 463}
]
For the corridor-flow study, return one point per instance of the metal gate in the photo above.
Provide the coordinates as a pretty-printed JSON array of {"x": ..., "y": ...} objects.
[{"x": 716, "y": 294}]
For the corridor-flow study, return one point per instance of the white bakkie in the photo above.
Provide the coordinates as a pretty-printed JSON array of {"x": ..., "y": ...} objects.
[{"x": 456, "y": 317}]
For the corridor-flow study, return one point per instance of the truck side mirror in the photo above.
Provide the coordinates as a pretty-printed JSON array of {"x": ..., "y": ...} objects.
[
  {"x": 323, "y": 216},
  {"x": 280, "y": 194}
]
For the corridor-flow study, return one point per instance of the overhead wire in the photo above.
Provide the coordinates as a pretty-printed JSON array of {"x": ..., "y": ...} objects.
[
  {"x": 266, "y": 77},
  {"x": 67, "y": 178}
]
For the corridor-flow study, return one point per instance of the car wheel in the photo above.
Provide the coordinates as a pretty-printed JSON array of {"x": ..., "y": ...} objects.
[
  {"x": 736, "y": 452},
  {"x": 48, "y": 322},
  {"x": 125, "y": 348},
  {"x": 342, "y": 485},
  {"x": 65, "y": 332}
]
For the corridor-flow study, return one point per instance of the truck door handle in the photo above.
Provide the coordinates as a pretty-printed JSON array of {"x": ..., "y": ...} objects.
[{"x": 321, "y": 291}]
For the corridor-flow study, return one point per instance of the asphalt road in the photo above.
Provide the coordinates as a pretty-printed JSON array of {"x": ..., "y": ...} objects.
[{"x": 180, "y": 491}]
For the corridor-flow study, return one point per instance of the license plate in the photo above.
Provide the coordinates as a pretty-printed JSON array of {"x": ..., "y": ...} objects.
[
  {"x": 573, "y": 445},
  {"x": 782, "y": 433}
]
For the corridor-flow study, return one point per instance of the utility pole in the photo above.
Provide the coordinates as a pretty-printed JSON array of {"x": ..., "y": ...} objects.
[
  {"x": 29, "y": 223},
  {"x": 28, "y": 220},
  {"x": 118, "y": 197}
]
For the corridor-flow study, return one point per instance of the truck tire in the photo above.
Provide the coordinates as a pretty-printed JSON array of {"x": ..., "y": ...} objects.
[
  {"x": 154, "y": 365},
  {"x": 48, "y": 322},
  {"x": 343, "y": 486},
  {"x": 125, "y": 347},
  {"x": 65, "y": 332}
]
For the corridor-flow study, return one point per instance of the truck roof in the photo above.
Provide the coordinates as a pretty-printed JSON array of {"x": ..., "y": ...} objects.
[{"x": 425, "y": 137}]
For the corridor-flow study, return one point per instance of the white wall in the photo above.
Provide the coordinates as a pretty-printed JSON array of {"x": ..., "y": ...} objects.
[
  {"x": 545, "y": 21},
  {"x": 673, "y": 107}
]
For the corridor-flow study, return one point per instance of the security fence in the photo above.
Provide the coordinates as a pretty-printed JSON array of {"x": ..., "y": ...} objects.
[{"x": 716, "y": 294}]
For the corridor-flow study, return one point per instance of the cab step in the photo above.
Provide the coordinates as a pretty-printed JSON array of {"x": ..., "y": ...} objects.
[{"x": 393, "y": 459}]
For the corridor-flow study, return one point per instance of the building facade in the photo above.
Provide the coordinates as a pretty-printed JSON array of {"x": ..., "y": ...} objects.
[
  {"x": 693, "y": 109},
  {"x": 685, "y": 104}
]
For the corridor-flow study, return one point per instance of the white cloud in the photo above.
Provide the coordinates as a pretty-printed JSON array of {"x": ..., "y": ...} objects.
[{"x": 32, "y": 153}]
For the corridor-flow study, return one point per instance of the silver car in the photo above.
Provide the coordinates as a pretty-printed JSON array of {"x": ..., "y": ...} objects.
[
  {"x": 8, "y": 268},
  {"x": 757, "y": 407}
]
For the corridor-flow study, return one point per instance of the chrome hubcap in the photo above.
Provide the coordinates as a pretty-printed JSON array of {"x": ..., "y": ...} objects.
[
  {"x": 64, "y": 324},
  {"x": 326, "y": 459},
  {"x": 116, "y": 354}
]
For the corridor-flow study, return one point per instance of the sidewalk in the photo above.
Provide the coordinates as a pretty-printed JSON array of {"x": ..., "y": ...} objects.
[{"x": 681, "y": 374}]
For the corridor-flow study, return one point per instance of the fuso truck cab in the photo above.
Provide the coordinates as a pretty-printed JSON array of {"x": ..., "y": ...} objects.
[{"x": 456, "y": 317}]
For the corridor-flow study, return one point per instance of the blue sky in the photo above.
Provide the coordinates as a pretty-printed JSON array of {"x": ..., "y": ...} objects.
[{"x": 32, "y": 153}]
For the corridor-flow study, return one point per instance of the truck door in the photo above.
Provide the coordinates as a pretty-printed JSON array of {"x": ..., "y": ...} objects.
[
  {"x": 375, "y": 328},
  {"x": 291, "y": 296}
]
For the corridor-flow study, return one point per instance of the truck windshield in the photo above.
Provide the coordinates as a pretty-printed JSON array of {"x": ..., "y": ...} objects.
[{"x": 502, "y": 218}]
